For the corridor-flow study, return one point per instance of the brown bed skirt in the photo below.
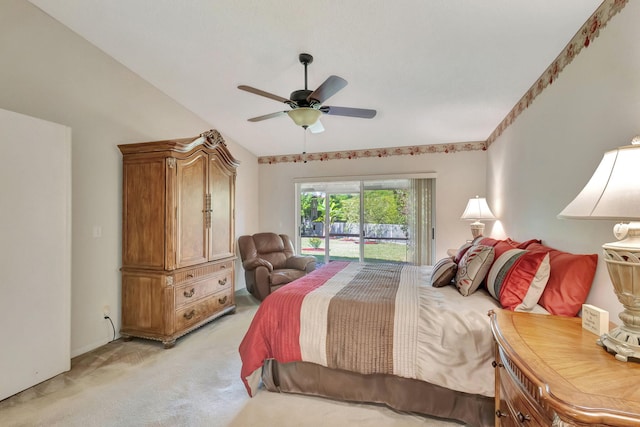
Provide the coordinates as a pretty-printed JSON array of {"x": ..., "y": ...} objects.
[{"x": 401, "y": 394}]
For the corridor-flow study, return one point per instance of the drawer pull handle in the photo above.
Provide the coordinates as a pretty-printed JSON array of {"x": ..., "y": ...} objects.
[
  {"x": 189, "y": 276},
  {"x": 522, "y": 417},
  {"x": 190, "y": 293},
  {"x": 501, "y": 414},
  {"x": 222, "y": 300},
  {"x": 189, "y": 315},
  {"x": 496, "y": 364},
  {"x": 222, "y": 282}
]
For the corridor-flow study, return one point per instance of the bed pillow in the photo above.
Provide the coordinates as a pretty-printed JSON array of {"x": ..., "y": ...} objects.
[
  {"x": 473, "y": 268},
  {"x": 518, "y": 278},
  {"x": 523, "y": 245},
  {"x": 570, "y": 280},
  {"x": 461, "y": 251},
  {"x": 502, "y": 247},
  {"x": 486, "y": 241},
  {"x": 443, "y": 272},
  {"x": 477, "y": 240}
]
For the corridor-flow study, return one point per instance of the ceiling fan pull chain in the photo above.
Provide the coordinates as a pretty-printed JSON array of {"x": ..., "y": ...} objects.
[{"x": 304, "y": 148}]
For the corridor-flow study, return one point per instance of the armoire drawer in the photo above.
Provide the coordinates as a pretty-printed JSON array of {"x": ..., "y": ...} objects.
[
  {"x": 191, "y": 274},
  {"x": 193, "y": 291},
  {"x": 195, "y": 313}
]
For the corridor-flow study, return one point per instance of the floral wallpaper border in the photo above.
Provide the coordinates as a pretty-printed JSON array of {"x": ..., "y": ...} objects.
[
  {"x": 375, "y": 152},
  {"x": 583, "y": 38}
]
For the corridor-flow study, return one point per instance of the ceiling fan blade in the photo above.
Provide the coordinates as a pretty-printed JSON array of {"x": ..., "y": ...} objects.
[
  {"x": 316, "y": 127},
  {"x": 327, "y": 89},
  {"x": 265, "y": 94},
  {"x": 349, "y": 112},
  {"x": 267, "y": 116}
]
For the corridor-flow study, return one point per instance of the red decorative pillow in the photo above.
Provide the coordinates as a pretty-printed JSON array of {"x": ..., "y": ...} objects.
[
  {"x": 518, "y": 277},
  {"x": 569, "y": 282},
  {"x": 523, "y": 245},
  {"x": 502, "y": 246},
  {"x": 539, "y": 247},
  {"x": 486, "y": 241}
]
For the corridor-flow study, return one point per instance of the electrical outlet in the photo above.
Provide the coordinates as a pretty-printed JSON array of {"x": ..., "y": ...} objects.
[{"x": 106, "y": 311}]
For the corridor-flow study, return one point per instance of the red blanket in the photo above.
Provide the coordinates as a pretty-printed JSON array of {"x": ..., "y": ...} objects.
[{"x": 275, "y": 329}]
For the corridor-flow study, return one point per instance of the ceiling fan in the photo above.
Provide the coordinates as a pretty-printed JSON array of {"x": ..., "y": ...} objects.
[{"x": 306, "y": 105}]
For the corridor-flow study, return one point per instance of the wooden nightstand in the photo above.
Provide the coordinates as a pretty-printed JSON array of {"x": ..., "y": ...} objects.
[{"x": 550, "y": 371}]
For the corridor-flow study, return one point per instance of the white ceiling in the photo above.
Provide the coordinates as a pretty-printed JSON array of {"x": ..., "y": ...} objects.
[{"x": 437, "y": 71}]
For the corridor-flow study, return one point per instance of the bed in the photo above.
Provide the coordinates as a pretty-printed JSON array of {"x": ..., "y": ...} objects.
[
  {"x": 414, "y": 338},
  {"x": 376, "y": 333}
]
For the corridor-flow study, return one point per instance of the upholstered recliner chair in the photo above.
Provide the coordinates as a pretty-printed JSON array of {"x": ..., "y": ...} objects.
[{"x": 270, "y": 262}]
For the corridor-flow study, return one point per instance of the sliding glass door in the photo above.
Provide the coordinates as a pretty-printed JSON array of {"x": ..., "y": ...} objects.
[
  {"x": 344, "y": 226},
  {"x": 385, "y": 230},
  {"x": 330, "y": 221},
  {"x": 375, "y": 220},
  {"x": 311, "y": 234}
]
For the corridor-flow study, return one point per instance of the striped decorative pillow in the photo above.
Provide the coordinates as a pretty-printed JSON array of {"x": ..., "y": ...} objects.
[
  {"x": 518, "y": 277},
  {"x": 443, "y": 272}
]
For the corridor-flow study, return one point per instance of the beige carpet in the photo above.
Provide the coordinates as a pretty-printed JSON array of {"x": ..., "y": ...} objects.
[{"x": 196, "y": 383}]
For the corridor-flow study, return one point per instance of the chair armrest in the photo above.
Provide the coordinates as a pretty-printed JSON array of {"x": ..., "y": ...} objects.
[
  {"x": 299, "y": 262},
  {"x": 262, "y": 286},
  {"x": 252, "y": 263}
]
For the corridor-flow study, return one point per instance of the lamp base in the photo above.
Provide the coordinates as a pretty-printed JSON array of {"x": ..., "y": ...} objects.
[
  {"x": 619, "y": 342},
  {"x": 623, "y": 264},
  {"x": 477, "y": 228}
]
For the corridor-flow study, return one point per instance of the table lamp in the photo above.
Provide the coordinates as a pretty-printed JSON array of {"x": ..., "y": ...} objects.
[
  {"x": 613, "y": 193},
  {"x": 477, "y": 209}
]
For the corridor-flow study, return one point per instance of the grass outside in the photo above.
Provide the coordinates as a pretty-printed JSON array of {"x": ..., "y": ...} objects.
[{"x": 344, "y": 249}]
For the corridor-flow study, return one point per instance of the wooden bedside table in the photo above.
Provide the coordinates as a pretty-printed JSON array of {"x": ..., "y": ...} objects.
[{"x": 550, "y": 371}]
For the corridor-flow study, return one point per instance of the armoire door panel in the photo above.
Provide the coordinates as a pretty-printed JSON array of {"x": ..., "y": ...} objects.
[
  {"x": 192, "y": 211},
  {"x": 221, "y": 187},
  {"x": 143, "y": 223}
]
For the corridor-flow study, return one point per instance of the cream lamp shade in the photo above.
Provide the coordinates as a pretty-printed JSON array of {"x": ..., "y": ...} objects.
[
  {"x": 304, "y": 116},
  {"x": 613, "y": 193},
  {"x": 477, "y": 209}
]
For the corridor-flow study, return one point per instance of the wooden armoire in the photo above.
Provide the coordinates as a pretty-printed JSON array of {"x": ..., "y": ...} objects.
[{"x": 178, "y": 242}]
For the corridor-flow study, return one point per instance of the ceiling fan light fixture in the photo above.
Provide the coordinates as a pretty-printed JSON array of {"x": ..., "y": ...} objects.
[
  {"x": 307, "y": 105},
  {"x": 304, "y": 116}
]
